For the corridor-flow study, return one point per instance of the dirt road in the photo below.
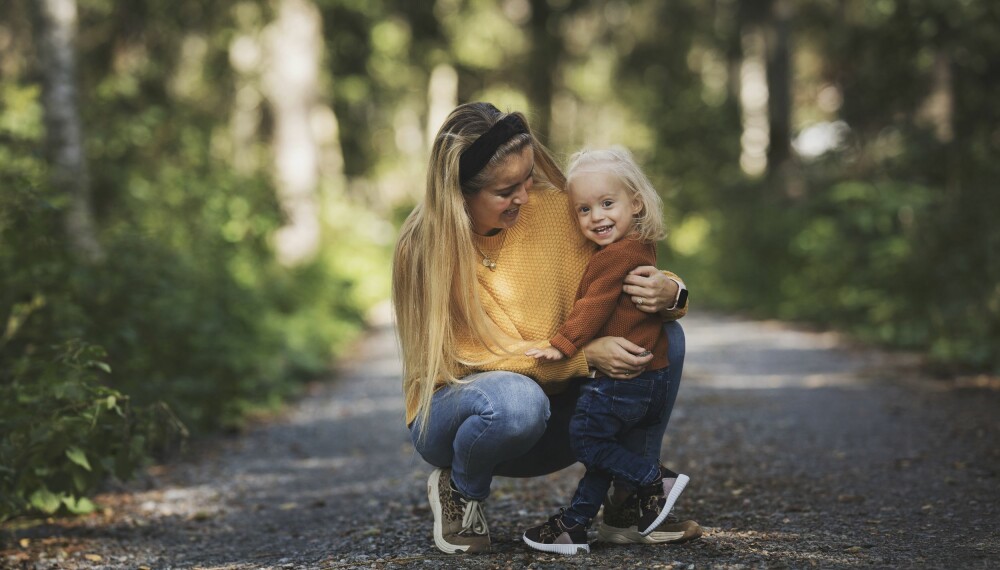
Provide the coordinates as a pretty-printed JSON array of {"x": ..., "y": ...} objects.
[{"x": 802, "y": 451}]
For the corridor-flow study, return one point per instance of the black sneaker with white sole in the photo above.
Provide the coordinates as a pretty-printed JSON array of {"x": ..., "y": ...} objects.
[{"x": 554, "y": 536}]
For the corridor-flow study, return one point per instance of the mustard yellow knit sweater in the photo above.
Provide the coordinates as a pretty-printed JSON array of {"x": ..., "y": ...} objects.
[{"x": 539, "y": 264}]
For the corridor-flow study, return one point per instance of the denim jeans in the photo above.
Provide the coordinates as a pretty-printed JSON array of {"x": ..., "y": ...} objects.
[
  {"x": 608, "y": 413},
  {"x": 503, "y": 424}
]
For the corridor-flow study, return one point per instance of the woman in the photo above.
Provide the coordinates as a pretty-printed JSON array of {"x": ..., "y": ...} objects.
[{"x": 485, "y": 267}]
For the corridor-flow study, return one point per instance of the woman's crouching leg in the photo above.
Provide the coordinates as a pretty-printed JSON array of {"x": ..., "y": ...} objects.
[{"x": 489, "y": 418}]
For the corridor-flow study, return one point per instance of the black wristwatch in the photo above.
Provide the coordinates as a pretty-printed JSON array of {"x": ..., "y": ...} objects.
[{"x": 681, "y": 300}]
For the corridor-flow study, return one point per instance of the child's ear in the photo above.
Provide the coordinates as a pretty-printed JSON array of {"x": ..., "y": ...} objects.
[{"x": 636, "y": 207}]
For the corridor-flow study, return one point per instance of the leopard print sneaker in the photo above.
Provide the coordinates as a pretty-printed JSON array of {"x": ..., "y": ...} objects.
[
  {"x": 621, "y": 517},
  {"x": 459, "y": 523}
]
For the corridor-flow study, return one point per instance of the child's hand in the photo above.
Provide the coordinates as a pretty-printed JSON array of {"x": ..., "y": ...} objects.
[{"x": 550, "y": 353}]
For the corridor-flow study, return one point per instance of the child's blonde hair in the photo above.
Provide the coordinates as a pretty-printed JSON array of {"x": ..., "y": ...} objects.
[{"x": 647, "y": 224}]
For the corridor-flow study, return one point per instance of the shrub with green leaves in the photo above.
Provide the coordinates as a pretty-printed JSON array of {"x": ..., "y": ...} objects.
[{"x": 62, "y": 432}]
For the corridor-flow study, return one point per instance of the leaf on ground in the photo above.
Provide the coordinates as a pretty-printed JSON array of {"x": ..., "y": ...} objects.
[
  {"x": 45, "y": 501},
  {"x": 79, "y": 505},
  {"x": 76, "y": 455},
  {"x": 93, "y": 557}
]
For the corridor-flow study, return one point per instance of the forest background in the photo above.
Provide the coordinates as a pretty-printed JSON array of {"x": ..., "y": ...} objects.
[{"x": 198, "y": 200}]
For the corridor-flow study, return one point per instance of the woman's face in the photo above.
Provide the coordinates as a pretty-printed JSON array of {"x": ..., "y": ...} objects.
[{"x": 498, "y": 205}]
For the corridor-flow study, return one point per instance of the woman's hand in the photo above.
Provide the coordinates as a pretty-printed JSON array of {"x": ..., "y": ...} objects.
[
  {"x": 617, "y": 357},
  {"x": 650, "y": 289}
]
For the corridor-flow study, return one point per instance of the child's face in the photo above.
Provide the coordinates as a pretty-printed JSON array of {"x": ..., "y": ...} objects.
[{"x": 603, "y": 207}]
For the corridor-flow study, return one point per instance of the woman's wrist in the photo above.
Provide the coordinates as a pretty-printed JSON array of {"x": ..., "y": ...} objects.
[{"x": 680, "y": 297}]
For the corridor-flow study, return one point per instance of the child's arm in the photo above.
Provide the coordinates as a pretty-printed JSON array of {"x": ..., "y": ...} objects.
[
  {"x": 606, "y": 272},
  {"x": 548, "y": 353}
]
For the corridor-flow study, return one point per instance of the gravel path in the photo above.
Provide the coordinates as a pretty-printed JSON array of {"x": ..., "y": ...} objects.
[{"x": 803, "y": 452}]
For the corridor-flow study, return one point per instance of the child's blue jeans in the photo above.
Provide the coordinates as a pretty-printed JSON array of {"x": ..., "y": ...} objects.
[{"x": 612, "y": 418}]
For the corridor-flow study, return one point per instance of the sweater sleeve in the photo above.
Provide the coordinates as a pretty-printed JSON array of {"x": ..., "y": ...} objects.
[
  {"x": 603, "y": 286},
  {"x": 478, "y": 358}
]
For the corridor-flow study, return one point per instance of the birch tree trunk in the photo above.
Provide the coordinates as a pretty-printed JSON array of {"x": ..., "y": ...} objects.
[
  {"x": 779, "y": 89},
  {"x": 294, "y": 43},
  {"x": 57, "y": 22}
]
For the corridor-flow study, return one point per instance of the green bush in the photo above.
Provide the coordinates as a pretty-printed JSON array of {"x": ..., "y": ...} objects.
[
  {"x": 199, "y": 324},
  {"x": 62, "y": 432},
  {"x": 890, "y": 261}
]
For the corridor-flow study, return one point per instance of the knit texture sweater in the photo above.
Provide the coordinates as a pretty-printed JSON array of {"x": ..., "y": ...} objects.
[
  {"x": 539, "y": 264},
  {"x": 602, "y": 309}
]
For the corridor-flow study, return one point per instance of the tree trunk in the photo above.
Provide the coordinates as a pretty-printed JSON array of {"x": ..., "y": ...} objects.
[
  {"x": 442, "y": 97},
  {"x": 57, "y": 22},
  {"x": 543, "y": 64},
  {"x": 779, "y": 89},
  {"x": 294, "y": 43}
]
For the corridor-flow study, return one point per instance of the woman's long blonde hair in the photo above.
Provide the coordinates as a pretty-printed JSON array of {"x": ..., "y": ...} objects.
[{"x": 433, "y": 281}]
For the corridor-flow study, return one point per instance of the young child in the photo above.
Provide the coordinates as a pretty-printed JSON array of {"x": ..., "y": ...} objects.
[{"x": 619, "y": 210}]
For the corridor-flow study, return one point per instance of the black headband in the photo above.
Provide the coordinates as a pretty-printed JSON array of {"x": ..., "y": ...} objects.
[{"x": 479, "y": 153}]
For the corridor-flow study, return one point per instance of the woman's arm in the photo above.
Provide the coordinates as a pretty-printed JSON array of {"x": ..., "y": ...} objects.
[
  {"x": 655, "y": 291},
  {"x": 617, "y": 357}
]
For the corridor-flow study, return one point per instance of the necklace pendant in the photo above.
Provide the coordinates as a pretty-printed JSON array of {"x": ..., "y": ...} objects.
[{"x": 487, "y": 262}]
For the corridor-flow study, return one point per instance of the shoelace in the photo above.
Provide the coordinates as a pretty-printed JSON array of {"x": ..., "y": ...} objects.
[{"x": 474, "y": 519}]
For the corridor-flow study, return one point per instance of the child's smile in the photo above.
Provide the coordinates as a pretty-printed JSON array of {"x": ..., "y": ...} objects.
[{"x": 603, "y": 207}]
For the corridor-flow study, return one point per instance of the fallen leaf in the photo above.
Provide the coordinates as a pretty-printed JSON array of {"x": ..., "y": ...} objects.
[
  {"x": 93, "y": 557},
  {"x": 25, "y": 542}
]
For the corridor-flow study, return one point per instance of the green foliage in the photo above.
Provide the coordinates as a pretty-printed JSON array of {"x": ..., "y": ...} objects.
[
  {"x": 63, "y": 428},
  {"x": 189, "y": 323},
  {"x": 890, "y": 236},
  {"x": 883, "y": 260},
  {"x": 62, "y": 432}
]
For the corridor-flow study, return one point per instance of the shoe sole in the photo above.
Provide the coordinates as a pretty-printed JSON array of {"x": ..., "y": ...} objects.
[
  {"x": 439, "y": 541},
  {"x": 568, "y": 549},
  {"x": 631, "y": 535},
  {"x": 675, "y": 491}
]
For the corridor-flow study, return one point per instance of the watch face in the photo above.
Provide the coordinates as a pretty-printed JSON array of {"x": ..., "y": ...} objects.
[{"x": 682, "y": 299}]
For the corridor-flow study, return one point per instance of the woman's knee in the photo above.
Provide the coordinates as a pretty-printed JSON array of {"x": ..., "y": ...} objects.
[{"x": 519, "y": 407}]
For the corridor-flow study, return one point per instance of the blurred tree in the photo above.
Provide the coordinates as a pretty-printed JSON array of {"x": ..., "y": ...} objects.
[
  {"x": 543, "y": 64},
  {"x": 57, "y": 27},
  {"x": 291, "y": 82}
]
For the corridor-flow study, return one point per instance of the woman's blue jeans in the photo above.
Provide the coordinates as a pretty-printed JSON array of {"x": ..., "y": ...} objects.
[{"x": 501, "y": 423}]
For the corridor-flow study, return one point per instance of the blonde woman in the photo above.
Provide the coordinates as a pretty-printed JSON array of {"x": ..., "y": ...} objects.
[{"x": 485, "y": 268}]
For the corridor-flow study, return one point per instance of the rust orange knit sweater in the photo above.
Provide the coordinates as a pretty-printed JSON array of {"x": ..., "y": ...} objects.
[{"x": 602, "y": 309}]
